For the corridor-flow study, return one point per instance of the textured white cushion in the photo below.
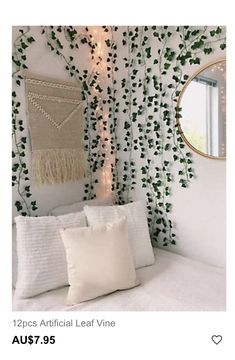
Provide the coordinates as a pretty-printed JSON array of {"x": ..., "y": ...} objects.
[
  {"x": 60, "y": 210},
  {"x": 137, "y": 227},
  {"x": 99, "y": 260},
  {"x": 41, "y": 255},
  {"x": 78, "y": 206},
  {"x": 14, "y": 256}
]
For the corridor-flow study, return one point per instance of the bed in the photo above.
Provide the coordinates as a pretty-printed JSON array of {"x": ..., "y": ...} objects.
[{"x": 172, "y": 283}]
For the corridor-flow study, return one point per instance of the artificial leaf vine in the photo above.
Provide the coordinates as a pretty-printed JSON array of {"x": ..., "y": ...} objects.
[{"x": 20, "y": 172}]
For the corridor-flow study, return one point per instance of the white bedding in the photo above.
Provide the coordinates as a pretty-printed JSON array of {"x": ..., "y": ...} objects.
[{"x": 172, "y": 283}]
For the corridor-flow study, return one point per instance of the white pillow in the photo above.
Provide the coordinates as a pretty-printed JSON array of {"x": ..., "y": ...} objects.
[
  {"x": 41, "y": 255},
  {"x": 99, "y": 260},
  {"x": 78, "y": 206},
  {"x": 60, "y": 210},
  {"x": 137, "y": 227},
  {"x": 14, "y": 256}
]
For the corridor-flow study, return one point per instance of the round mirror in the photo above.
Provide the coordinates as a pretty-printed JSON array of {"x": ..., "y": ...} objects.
[{"x": 202, "y": 105}]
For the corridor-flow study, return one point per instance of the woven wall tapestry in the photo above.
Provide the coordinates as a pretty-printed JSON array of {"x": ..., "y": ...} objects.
[{"x": 55, "y": 117}]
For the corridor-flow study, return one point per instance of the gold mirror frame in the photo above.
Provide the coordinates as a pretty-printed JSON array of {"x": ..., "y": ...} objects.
[{"x": 178, "y": 105}]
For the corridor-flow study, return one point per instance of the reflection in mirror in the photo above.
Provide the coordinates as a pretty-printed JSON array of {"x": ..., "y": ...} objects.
[{"x": 203, "y": 104}]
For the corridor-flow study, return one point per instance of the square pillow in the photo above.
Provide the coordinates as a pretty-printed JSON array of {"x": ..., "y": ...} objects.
[
  {"x": 137, "y": 227},
  {"x": 78, "y": 206},
  {"x": 41, "y": 255},
  {"x": 60, "y": 210},
  {"x": 99, "y": 260}
]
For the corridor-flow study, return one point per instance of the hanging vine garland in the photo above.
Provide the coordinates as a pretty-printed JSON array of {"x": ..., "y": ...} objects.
[
  {"x": 163, "y": 224},
  {"x": 126, "y": 160},
  {"x": 151, "y": 141},
  {"x": 113, "y": 104},
  {"x": 20, "y": 172}
]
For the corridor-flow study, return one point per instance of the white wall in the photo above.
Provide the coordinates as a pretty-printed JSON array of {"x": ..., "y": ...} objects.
[{"x": 200, "y": 213}]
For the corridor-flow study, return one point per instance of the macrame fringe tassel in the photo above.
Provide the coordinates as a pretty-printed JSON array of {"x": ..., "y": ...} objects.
[{"x": 57, "y": 166}]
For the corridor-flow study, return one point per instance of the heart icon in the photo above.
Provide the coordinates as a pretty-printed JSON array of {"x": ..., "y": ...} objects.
[{"x": 216, "y": 339}]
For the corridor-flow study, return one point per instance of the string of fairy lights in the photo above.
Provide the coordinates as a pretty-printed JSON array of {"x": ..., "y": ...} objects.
[{"x": 99, "y": 66}]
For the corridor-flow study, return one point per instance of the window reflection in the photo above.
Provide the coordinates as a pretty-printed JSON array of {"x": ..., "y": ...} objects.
[{"x": 203, "y": 106}]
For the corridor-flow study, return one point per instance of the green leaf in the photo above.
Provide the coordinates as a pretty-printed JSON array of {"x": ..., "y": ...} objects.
[
  {"x": 85, "y": 87},
  {"x": 166, "y": 66},
  {"x": 207, "y": 51},
  {"x": 18, "y": 205},
  {"x": 126, "y": 125},
  {"x": 23, "y": 45},
  {"x": 30, "y": 39}
]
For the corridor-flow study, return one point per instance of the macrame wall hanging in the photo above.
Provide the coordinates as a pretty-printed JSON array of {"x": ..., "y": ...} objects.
[{"x": 55, "y": 117}]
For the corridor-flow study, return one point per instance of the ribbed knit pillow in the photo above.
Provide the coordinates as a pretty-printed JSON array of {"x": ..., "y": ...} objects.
[{"x": 41, "y": 255}]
